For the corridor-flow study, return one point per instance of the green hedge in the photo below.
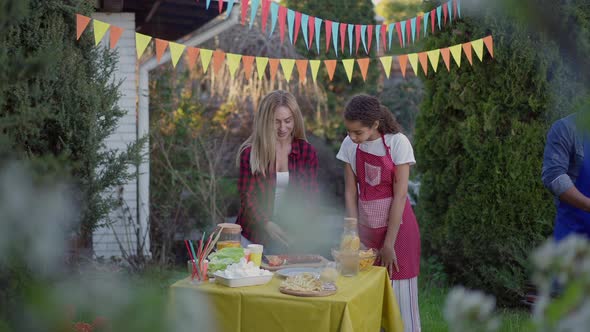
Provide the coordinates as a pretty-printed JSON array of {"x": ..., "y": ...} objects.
[{"x": 479, "y": 143}]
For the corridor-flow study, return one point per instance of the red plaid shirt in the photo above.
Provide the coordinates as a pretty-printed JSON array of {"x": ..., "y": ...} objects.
[{"x": 257, "y": 193}]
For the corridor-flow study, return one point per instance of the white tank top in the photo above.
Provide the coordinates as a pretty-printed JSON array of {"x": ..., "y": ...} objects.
[{"x": 281, "y": 186}]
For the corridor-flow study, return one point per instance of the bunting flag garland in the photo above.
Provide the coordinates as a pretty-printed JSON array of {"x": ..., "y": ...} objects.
[
  {"x": 81, "y": 24},
  {"x": 314, "y": 65},
  {"x": 100, "y": 29},
  {"x": 338, "y": 31}
]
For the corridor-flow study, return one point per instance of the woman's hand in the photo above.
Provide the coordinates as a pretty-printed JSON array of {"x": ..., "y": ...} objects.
[
  {"x": 276, "y": 233},
  {"x": 388, "y": 257}
]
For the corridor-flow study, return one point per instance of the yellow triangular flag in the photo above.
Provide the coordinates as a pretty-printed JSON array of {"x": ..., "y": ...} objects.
[
  {"x": 386, "y": 62},
  {"x": 348, "y": 66},
  {"x": 175, "y": 52},
  {"x": 100, "y": 28},
  {"x": 233, "y": 62},
  {"x": 478, "y": 48},
  {"x": 205, "y": 58},
  {"x": 141, "y": 42},
  {"x": 315, "y": 66},
  {"x": 456, "y": 52},
  {"x": 413, "y": 58},
  {"x": 287, "y": 65},
  {"x": 434, "y": 56},
  {"x": 261, "y": 63}
]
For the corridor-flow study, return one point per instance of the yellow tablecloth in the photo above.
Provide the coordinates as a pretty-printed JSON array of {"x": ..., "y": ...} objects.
[{"x": 363, "y": 303}]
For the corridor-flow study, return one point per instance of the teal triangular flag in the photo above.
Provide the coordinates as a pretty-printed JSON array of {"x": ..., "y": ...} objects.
[
  {"x": 335, "y": 29},
  {"x": 403, "y": 25},
  {"x": 274, "y": 16},
  {"x": 350, "y": 29},
  {"x": 230, "y": 6},
  {"x": 459, "y": 8},
  {"x": 304, "y": 23},
  {"x": 450, "y": 10},
  {"x": 377, "y": 35},
  {"x": 207, "y": 4},
  {"x": 291, "y": 23},
  {"x": 253, "y": 10},
  {"x": 363, "y": 38},
  {"x": 390, "y": 29},
  {"x": 438, "y": 13},
  {"x": 426, "y": 17},
  {"x": 318, "y": 26}
]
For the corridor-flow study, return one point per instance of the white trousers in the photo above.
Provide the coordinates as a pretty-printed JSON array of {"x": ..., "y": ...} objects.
[{"x": 406, "y": 294}]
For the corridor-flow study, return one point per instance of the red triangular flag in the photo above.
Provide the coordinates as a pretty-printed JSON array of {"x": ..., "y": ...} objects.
[
  {"x": 116, "y": 33},
  {"x": 467, "y": 50},
  {"x": 218, "y": 58},
  {"x": 423, "y": 57},
  {"x": 357, "y": 34},
  {"x": 297, "y": 26},
  {"x": 364, "y": 65},
  {"x": 160, "y": 48},
  {"x": 311, "y": 25},
  {"x": 248, "y": 62},
  {"x": 418, "y": 26},
  {"x": 282, "y": 17},
  {"x": 265, "y": 8},
  {"x": 331, "y": 67},
  {"x": 408, "y": 32},
  {"x": 81, "y": 24},
  {"x": 244, "y": 5},
  {"x": 489, "y": 42},
  {"x": 445, "y": 13},
  {"x": 301, "y": 69},
  {"x": 403, "y": 63},
  {"x": 220, "y": 5},
  {"x": 274, "y": 66},
  {"x": 398, "y": 29},
  {"x": 191, "y": 56},
  {"x": 383, "y": 37},
  {"x": 370, "y": 35},
  {"x": 455, "y": 9},
  {"x": 343, "y": 27},
  {"x": 446, "y": 55},
  {"x": 328, "y": 34},
  {"x": 432, "y": 14}
]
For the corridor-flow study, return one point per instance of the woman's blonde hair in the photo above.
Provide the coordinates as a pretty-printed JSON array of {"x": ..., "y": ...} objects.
[{"x": 264, "y": 136}]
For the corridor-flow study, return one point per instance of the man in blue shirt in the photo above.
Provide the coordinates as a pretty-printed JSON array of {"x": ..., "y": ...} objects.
[{"x": 566, "y": 173}]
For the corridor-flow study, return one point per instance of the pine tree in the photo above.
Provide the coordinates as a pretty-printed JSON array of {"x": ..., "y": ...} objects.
[{"x": 58, "y": 104}]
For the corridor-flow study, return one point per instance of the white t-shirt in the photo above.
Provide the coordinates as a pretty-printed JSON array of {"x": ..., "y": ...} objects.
[
  {"x": 399, "y": 144},
  {"x": 281, "y": 186}
]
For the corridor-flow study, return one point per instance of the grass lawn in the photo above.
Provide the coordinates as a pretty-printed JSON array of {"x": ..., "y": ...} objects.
[{"x": 432, "y": 301}]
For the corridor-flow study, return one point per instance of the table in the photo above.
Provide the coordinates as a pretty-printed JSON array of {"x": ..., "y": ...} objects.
[{"x": 363, "y": 303}]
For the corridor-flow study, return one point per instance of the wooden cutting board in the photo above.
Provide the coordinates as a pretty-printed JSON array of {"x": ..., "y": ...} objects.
[
  {"x": 321, "y": 263},
  {"x": 308, "y": 294}
]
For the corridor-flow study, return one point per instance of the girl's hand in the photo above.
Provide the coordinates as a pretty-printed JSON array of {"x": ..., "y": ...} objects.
[
  {"x": 388, "y": 257},
  {"x": 276, "y": 233}
]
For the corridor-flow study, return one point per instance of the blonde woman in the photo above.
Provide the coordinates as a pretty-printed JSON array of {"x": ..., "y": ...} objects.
[{"x": 275, "y": 161}]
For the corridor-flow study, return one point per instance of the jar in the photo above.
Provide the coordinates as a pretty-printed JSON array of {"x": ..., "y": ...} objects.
[
  {"x": 230, "y": 236},
  {"x": 349, "y": 248}
]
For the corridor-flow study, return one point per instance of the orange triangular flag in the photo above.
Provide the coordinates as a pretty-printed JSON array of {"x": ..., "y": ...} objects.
[
  {"x": 467, "y": 50},
  {"x": 116, "y": 33},
  {"x": 331, "y": 67},
  {"x": 81, "y": 24},
  {"x": 403, "y": 63},
  {"x": 423, "y": 57},
  {"x": 301, "y": 70},
  {"x": 191, "y": 56},
  {"x": 160, "y": 48},
  {"x": 446, "y": 55},
  {"x": 248, "y": 62},
  {"x": 489, "y": 44},
  {"x": 274, "y": 66},
  {"x": 218, "y": 57},
  {"x": 364, "y": 65}
]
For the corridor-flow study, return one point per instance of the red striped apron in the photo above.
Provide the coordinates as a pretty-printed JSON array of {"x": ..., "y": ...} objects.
[{"x": 375, "y": 176}]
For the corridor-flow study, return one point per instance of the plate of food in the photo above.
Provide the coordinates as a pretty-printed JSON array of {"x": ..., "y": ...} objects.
[
  {"x": 293, "y": 271},
  {"x": 307, "y": 285},
  {"x": 277, "y": 262}
]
